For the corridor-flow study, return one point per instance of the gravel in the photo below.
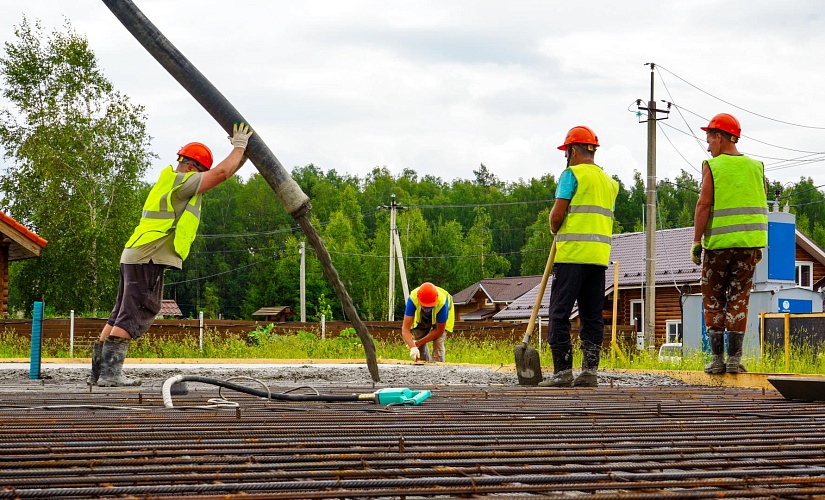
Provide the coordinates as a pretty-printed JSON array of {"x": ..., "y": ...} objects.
[{"x": 286, "y": 375}]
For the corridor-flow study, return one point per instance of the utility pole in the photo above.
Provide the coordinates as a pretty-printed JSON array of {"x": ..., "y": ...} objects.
[
  {"x": 650, "y": 226},
  {"x": 395, "y": 248},
  {"x": 303, "y": 286}
]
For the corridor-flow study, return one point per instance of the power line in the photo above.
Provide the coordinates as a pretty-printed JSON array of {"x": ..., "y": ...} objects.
[{"x": 740, "y": 107}]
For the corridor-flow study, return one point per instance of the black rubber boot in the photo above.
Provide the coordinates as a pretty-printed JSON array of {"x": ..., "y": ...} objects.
[
  {"x": 562, "y": 367},
  {"x": 111, "y": 367},
  {"x": 734, "y": 365},
  {"x": 591, "y": 355},
  {"x": 717, "y": 351},
  {"x": 97, "y": 349}
]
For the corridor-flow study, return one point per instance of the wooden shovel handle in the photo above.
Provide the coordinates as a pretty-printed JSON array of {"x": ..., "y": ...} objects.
[{"x": 540, "y": 295}]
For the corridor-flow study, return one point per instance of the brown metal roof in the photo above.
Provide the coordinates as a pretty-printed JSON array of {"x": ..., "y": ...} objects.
[
  {"x": 503, "y": 290},
  {"x": 168, "y": 307}
]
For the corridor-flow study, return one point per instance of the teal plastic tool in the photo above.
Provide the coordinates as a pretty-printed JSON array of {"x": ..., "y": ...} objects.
[{"x": 402, "y": 396}]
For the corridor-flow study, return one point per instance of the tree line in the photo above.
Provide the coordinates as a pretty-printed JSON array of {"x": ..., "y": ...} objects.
[{"x": 76, "y": 151}]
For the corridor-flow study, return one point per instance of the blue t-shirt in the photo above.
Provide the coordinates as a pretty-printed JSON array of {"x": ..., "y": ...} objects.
[
  {"x": 440, "y": 317},
  {"x": 567, "y": 185}
]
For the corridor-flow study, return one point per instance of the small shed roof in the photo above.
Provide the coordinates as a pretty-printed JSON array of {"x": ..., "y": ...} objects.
[
  {"x": 274, "y": 311},
  {"x": 24, "y": 244},
  {"x": 168, "y": 307},
  {"x": 501, "y": 290}
]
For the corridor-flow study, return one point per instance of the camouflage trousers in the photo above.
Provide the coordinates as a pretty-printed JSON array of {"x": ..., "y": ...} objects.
[{"x": 727, "y": 278}]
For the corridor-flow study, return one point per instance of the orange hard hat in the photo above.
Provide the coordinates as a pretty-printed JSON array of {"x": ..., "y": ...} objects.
[
  {"x": 198, "y": 152},
  {"x": 427, "y": 294},
  {"x": 580, "y": 135},
  {"x": 726, "y": 123}
]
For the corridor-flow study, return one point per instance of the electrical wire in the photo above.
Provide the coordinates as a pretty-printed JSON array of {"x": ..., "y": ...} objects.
[{"x": 659, "y": 66}]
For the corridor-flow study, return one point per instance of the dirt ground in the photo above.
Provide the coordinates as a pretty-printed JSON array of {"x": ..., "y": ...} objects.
[{"x": 285, "y": 375}]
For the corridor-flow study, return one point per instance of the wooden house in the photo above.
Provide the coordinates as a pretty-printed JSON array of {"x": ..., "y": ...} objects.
[
  {"x": 169, "y": 309},
  {"x": 481, "y": 300},
  {"x": 16, "y": 243}
]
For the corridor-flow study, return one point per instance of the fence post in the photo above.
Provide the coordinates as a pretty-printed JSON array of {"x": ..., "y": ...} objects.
[
  {"x": 787, "y": 342},
  {"x": 323, "y": 326},
  {"x": 37, "y": 341},
  {"x": 200, "y": 336},
  {"x": 71, "y": 334}
]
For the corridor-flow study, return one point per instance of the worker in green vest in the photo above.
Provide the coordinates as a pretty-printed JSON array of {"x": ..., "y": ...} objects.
[
  {"x": 731, "y": 227},
  {"x": 582, "y": 221},
  {"x": 428, "y": 316},
  {"x": 168, "y": 225}
]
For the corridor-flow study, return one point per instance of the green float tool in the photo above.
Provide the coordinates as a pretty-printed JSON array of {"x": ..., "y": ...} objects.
[{"x": 404, "y": 396}]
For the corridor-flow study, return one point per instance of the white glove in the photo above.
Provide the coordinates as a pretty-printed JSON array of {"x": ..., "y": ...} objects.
[
  {"x": 415, "y": 353},
  {"x": 240, "y": 135}
]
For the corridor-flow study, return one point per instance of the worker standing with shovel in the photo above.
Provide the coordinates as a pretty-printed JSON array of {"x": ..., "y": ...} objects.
[{"x": 582, "y": 221}]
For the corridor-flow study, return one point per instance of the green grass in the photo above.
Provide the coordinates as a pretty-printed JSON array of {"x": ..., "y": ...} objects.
[{"x": 304, "y": 345}]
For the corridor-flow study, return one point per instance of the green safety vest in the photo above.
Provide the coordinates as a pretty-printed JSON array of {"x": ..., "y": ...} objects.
[
  {"x": 584, "y": 235},
  {"x": 443, "y": 297},
  {"x": 158, "y": 218},
  {"x": 739, "y": 217}
]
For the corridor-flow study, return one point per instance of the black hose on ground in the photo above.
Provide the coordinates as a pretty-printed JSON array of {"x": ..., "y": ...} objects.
[{"x": 167, "y": 389}]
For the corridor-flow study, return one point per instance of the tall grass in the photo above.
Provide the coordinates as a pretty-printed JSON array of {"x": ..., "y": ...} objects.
[{"x": 347, "y": 345}]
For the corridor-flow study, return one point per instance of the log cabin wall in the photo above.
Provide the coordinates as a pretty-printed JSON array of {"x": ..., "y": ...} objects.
[
  {"x": 4, "y": 280},
  {"x": 667, "y": 308},
  {"x": 804, "y": 256}
]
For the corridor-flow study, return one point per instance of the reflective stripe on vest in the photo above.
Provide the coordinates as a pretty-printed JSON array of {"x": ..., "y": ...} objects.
[
  {"x": 443, "y": 297},
  {"x": 585, "y": 234},
  {"x": 739, "y": 216},
  {"x": 158, "y": 216}
]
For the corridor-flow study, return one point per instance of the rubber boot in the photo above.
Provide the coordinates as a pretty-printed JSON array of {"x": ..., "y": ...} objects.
[
  {"x": 111, "y": 366},
  {"x": 717, "y": 351},
  {"x": 562, "y": 367},
  {"x": 591, "y": 354},
  {"x": 734, "y": 364},
  {"x": 97, "y": 349}
]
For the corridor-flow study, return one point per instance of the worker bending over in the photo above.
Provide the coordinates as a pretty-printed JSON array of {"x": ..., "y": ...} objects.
[{"x": 430, "y": 314}]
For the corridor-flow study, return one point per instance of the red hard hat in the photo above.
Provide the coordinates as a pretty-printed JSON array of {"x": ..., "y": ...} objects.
[
  {"x": 198, "y": 152},
  {"x": 579, "y": 135},
  {"x": 726, "y": 123},
  {"x": 427, "y": 294}
]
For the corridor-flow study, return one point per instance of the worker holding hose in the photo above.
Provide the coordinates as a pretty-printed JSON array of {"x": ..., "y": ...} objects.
[
  {"x": 430, "y": 314},
  {"x": 731, "y": 227},
  {"x": 168, "y": 225},
  {"x": 582, "y": 221}
]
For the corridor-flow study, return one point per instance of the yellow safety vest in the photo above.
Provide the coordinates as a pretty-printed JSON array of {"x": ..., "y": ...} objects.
[
  {"x": 158, "y": 218},
  {"x": 584, "y": 235},
  {"x": 443, "y": 297},
  {"x": 739, "y": 217}
]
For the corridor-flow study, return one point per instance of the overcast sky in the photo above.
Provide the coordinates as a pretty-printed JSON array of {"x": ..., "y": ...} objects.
[{"x": 442, "y": 86}]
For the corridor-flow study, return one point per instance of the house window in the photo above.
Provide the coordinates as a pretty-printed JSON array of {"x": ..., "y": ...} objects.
[
  {"x": 488, "y": 302},
  {"x": 674, "y": 331},
  {"x": 805, "y": 275}
]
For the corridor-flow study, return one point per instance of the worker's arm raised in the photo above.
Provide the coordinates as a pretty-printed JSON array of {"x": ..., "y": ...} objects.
[{"x": 232, "y": 163}]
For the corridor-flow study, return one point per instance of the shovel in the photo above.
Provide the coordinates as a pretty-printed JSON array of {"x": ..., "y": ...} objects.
[{"x": 528, "y": 364}]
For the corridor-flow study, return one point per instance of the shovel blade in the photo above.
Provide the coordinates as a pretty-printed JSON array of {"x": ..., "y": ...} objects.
[{"x": 528, "y": 365}]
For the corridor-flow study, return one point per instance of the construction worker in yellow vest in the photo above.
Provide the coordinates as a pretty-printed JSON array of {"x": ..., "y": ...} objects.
[
  {"x": 167, "y": 227},
  {"x": 731, "y": 227},
  {"x": 429, "y": 315},
  {"x": 582, "y": 221}
]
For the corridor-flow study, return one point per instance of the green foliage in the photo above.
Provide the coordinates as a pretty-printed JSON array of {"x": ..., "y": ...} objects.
[
  {"x": 260, "y": 335},
  {"x": 78, "y": 149}
]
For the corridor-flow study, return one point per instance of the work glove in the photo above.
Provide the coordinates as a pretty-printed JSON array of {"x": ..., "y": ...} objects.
[
  {"x": 696, "y": 253},
  {"x": 415, "y": 353},
  {"x": 758, "y": 255},
  {"x": 240, "y": 135}
]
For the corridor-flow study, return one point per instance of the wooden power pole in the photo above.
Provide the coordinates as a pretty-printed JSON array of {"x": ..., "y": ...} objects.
[{"x": 650, "y": 216}]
